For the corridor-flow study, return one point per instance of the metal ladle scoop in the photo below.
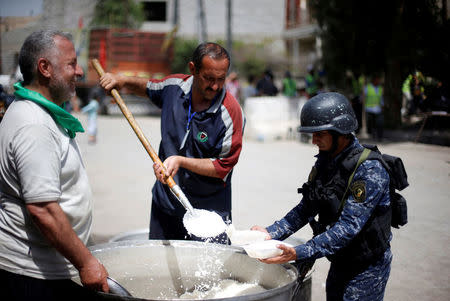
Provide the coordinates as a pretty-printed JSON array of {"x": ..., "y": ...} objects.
[{"x": 116, "y": 288}]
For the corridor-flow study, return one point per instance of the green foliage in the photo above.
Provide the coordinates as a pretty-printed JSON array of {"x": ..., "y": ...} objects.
[
  {"x": 183, "y": 50},
  {"x": 118, "y": 13},
  {"x": 250, "y": 58},
  {"x": 250, "y": 65},
  {"x": 363, "y": 36},
  {"x": 245, "y": 59},
  {"x": 390, "y": 37}
]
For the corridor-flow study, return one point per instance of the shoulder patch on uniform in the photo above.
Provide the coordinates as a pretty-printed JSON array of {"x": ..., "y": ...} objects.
[{"x": 358, "y": 190}]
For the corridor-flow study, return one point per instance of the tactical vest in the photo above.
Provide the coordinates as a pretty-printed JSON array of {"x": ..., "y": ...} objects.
[
  {"x": 325, "y": 189},
  {"x": 373, "y": 98}
]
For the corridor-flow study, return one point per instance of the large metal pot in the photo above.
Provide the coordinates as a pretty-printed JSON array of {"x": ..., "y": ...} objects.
[{"x": 164, "y": 270}]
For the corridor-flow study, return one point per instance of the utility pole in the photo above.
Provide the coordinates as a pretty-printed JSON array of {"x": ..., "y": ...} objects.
[
  {"x": 201, "y": 22},
  {"x": 175, "y": 13},
  {"x": 170, "y": 36},
  {"x": 229, "y": 30}
]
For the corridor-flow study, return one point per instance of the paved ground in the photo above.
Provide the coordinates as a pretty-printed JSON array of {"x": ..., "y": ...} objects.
[{"x": 264, "y": 189}]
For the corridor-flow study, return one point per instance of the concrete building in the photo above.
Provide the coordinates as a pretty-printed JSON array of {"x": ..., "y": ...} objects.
[
  {"x": 252, "y": 21},
  {"x": 13, "y": 30},
  {"x": 66, "y": 15},
  {"x": 301, "y": 36}
]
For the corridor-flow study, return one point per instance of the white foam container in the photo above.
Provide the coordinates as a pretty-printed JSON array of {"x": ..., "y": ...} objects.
[{"x": 264, "y": 249}]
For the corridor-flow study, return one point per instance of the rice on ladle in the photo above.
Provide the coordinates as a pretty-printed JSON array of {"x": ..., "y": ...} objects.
[{"x": 204, "y": 223}]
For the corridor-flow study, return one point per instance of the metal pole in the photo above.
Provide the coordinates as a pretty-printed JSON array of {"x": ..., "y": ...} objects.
[
  {"x": 229, "y": 30},
  {"x": 175, "y": 13},
  {"x": 201, "y": 22},
  {"x": 199, "y": 35}
]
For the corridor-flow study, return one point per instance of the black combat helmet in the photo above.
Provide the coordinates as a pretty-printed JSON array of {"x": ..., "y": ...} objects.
[{"x": 328, "y": 112}]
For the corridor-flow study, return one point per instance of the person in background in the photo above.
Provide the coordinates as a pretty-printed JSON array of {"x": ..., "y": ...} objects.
[
  {"x": 5, "y": 101},
  {"x": 406, "y": 97},
  {"x": 311, "y": 81},
  {"x": 320, "y": 87},
  {"x": 266, "y": 86},
  {"x": 289, "y": 89},
  {"x": 233, "y": 86},
  {"x": 373, "y": 103},
  {"x": 249, "y": 90},
  {"x": 355, "y": 86},
  {"x": 2, "y": 108},
  {"x": 354, "y": 226},
  {"x": 201, "y": 138},
  {"x": 45, "y": 197},
  {"x": 438, "y": 97},
  {"x": 417, "y": 86},
  {"x": 289, "y": 85},
  {"x": 91, "y": 109},
  {"x": 357, "y": 91},
  {"x": 414, "y": 92}
]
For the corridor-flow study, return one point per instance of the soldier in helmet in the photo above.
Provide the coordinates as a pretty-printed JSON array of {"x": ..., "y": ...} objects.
[{"x": 354, "y": 226}]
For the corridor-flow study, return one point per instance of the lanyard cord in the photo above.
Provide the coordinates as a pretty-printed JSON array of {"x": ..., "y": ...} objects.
[{"x": 190, "y": 116}]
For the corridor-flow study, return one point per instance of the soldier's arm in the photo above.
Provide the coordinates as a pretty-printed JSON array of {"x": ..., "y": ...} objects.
[
  {"x": 293, "y": 221},
  {"x": 354, "y": 215}
]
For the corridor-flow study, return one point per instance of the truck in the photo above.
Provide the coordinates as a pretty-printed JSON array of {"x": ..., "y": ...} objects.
[{"x": 129, "y": 52}]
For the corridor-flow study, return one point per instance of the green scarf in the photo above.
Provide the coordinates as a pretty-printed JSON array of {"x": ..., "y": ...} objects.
[{"x": 59, "y": 115}]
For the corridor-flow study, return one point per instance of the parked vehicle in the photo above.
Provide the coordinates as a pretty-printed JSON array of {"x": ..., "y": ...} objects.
[{"x": 128, "y": 52}]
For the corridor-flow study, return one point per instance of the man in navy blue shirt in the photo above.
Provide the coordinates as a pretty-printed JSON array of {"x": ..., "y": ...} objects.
[{"x": 201, "y": 137}]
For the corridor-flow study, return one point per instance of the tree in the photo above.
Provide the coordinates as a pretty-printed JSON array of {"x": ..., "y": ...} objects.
[
  {"x": 248, "y": 59},
  {"x": 393, "y": 37},
  {"x": 114, "y": 13},
  {"x": 183, "y": 50}
]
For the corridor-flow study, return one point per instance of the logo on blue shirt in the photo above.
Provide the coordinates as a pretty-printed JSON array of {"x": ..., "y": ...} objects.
[{"x": 202, "y": 137}]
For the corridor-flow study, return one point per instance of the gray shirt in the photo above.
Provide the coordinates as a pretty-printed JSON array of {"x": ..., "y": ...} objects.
[{"x": 38, "y": 163}]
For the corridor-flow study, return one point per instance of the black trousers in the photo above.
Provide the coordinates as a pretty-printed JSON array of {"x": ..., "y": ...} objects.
[
  {"x": 375, "y": 123},
  {"x": 15, "y": 287}
]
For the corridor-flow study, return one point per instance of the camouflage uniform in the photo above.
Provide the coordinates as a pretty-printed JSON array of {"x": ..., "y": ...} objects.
[{"x": 345, "y": 281}]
